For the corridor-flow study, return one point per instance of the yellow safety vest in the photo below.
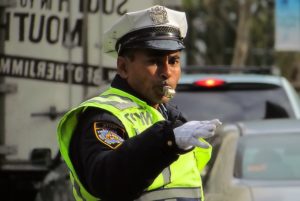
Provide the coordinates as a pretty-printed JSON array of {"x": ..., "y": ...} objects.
[{"x": 180, "y": 179}]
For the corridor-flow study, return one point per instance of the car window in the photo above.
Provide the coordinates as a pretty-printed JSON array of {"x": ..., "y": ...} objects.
[
  {"x": 269, "y": 157},
  {"x": 234, "y": 105}
]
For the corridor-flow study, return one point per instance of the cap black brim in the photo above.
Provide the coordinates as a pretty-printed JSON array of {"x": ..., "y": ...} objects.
[{"x": 157, "y": 45}]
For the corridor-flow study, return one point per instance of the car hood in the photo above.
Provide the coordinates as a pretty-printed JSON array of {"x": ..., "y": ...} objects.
[{"x": 286, "y": 193}]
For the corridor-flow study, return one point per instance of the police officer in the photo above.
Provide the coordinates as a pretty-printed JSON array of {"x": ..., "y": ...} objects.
[{"x": 129, "y": 143}]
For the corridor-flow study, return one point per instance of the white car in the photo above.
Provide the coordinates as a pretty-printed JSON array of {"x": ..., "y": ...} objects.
[
  {"x": 255, "y": 161},
  {"x": 233, "y": 97}
]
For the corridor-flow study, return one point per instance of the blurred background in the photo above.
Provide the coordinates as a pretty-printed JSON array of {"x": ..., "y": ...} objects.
[
  {"x": 51, "y": 59},
  {"x": 245, "y": 33}
]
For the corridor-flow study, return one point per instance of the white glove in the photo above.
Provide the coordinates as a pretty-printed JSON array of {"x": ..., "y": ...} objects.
[{"x": 188, "y": 134}]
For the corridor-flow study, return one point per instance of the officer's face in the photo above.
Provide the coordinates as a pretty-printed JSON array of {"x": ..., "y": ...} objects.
[{"x": 148, "y": 71}]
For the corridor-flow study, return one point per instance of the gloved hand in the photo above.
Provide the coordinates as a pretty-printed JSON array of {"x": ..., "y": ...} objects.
[{"x": 188, "y": 134}]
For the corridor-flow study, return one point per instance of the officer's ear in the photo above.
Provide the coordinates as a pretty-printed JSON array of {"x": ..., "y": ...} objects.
[{"x": 122, "y": 66}]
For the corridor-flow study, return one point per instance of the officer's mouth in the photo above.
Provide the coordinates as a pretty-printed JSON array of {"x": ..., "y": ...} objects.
[{"x": 167, "y": 91}]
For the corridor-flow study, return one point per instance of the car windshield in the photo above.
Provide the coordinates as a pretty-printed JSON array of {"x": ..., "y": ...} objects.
[
  {"x": 268, "y": 157},
  {"x": 234, "y": 105}
]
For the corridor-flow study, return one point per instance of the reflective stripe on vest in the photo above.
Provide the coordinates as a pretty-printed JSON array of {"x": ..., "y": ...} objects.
[
  {"x": 117, "y": 104},
  {"x": 166, "y": 173},
  {"x": 172, "y": 193}
]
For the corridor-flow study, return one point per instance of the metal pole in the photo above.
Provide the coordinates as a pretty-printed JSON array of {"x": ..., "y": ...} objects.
[
  {"x": 69, "y": 44},
  {"x": 2, "y": 96},
  {"x": 85, "y": 47},
  {"x": 101, "y": 40}
]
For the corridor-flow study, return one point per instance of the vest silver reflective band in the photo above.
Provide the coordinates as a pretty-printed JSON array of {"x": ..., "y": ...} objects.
[
  {"x": 192, "y": 194},
  {"x": 121, "y": 104},
  {"x": 167, "y": 175}
]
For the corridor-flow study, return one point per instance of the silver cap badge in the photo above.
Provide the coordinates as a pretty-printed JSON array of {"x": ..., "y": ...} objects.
[{"x": 159, "y": 15}]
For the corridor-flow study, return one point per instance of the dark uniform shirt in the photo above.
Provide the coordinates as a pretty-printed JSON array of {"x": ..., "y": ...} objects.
[{"x": 123, "y": 170}]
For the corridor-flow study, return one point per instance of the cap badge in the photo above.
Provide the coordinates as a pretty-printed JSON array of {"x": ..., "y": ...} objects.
[{"x": 159, "y": 15}]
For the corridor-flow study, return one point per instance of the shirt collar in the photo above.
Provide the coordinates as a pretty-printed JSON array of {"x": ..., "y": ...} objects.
[{"x": 122, "y": 84}]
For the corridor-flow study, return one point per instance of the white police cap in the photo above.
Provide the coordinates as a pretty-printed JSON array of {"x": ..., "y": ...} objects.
[{"x": 156, "y": 27}]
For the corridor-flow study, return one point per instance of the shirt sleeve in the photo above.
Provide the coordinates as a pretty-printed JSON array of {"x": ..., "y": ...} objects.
[{"x": 114, "y": 167}]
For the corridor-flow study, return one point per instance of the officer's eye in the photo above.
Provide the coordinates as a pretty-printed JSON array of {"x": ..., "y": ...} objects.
[{"x": 174, "y": 60}]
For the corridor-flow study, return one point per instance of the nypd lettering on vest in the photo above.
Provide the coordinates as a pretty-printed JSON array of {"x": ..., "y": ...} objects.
[{"x": 143, "y": 117}]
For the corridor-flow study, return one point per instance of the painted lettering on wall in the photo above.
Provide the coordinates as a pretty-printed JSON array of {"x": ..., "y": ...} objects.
[
  {"x": 31, "y": 68},
  {"x": 48, "y": 20}
]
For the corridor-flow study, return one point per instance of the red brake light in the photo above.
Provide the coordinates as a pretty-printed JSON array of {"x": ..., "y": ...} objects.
[{"x": 210, "y": 82}]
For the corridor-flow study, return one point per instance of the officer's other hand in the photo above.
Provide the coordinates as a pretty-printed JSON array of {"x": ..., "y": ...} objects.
[{"x": 188, "y": 134}]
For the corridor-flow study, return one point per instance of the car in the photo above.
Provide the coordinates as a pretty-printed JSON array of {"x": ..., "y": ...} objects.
[
  {"x": 231, "y": 95},
  {"x": 255, "y": 161}
]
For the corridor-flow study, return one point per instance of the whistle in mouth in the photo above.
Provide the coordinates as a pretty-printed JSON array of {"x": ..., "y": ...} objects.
[{"x": 168, "y": 92}]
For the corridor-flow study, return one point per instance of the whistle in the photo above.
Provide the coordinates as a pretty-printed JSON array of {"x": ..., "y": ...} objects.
[{"x": 168, "y": 92}]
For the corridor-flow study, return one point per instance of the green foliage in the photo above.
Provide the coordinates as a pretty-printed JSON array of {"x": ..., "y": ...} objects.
[
  {"x": 209, "y": 25},
  {"x": 213, "y": 30}
]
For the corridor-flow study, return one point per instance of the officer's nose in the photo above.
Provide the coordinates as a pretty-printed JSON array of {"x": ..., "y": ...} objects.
[{"x": 164, "y": 68}]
